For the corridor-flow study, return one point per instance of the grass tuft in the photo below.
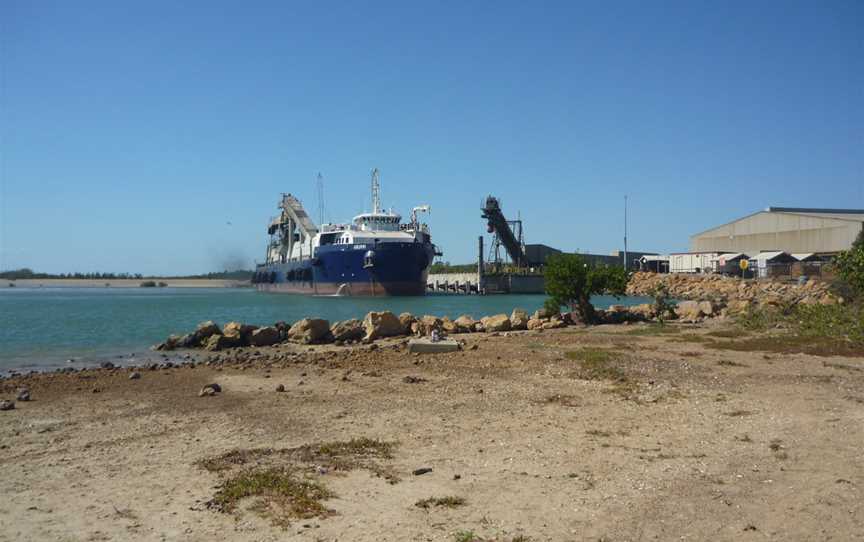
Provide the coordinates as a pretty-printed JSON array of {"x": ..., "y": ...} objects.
[
  {"x": 280, "y": 490},
  {"x": 280, "y": 479}
]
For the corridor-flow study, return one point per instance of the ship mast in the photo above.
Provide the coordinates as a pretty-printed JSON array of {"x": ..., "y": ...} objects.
[{"x": 376, "y": 192}]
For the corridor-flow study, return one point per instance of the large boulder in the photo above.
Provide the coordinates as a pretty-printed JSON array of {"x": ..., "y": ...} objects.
[
  {"x": 348, "y": 330},
  {"x": 519, "y": 319},
  {"x": 535, "y": 323},
  {"x": 264, "y": 336},
  {"x": 310, "y": 331},
  {"x": 426, "y": 324},
  {"x": 205, "y": 330},
  {"x": 498, "y": 322},
  {"x": 382, "y": 324},
  {"x": 688, "y": 311},
  {"x": 220, "y": 342},
  {"x": 449, "y": 326},
  {"x": 465, "y": 324},
  {"x": 407, "y": 319},
  {"x": 239, "y": 331}
]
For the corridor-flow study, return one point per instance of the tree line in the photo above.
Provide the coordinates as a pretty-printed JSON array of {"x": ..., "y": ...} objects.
[{"x": 27, "y": 273}]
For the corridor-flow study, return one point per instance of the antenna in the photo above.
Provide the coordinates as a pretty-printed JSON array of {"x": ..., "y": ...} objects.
[
  {"x": 376, "y": 192},
  {"x": 319, "y": 192}
]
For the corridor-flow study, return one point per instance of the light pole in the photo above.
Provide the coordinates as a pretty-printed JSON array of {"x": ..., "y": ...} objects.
[{"x": 625, "y": 233}]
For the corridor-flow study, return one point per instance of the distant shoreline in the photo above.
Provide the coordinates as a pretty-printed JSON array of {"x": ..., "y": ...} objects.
[{"x": 122, "y": 283}]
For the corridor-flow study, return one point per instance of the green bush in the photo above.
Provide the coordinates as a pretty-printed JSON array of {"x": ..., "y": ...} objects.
[
  {"x": 850, "y": 266},
  {"x": 570, "y": 280}
]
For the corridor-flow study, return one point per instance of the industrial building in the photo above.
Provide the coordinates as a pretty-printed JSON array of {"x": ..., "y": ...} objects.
[{"x": 793, "y": 230}]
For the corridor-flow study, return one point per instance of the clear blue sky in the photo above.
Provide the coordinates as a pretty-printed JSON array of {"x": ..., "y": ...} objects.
[{"x": 132, "y": 132}]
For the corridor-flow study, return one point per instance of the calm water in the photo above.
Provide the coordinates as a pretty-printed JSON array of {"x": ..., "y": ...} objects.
[{"x": 41, "y": 328}]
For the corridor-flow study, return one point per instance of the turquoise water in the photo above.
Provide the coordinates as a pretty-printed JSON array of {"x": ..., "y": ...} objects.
[{"x": 42, "y": 327}]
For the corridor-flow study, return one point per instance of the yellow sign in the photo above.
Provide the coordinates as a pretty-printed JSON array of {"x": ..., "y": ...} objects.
[{"x": 744, "y": 264}]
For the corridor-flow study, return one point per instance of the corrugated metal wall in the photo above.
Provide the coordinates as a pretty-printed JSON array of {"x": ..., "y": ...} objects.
[{"x": 779, "y": 231}]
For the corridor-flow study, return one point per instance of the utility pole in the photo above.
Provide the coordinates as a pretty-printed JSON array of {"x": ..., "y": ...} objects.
[{"x": 625, "y": 233}]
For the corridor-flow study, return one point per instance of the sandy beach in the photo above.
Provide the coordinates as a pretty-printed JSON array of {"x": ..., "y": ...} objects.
[
  {"x": 120, "y": 283},
  {"x": 611, "y": 433}
]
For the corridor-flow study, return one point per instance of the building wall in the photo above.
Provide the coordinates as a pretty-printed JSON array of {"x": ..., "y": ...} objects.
[{"x": 788, "y": 232}]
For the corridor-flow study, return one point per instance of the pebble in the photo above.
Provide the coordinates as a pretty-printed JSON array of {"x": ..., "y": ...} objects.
[
  {"x": 134, "y": 375},
  {"x": 280, "y": 388},
  {"x": 23, "y": 394},
  {"x": 421, "y": 471},
  {"x": 7, "y": 405}
]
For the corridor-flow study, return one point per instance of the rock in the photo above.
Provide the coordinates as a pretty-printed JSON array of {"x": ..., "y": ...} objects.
[
  {"x": 264, "y": 336},
  {"x": 280, "y": 388},
  {"x": 556, "y": 322},
  {"x": 135, "y": 375},
  {"x": 206, "y": 330},
  {"x": 310, "y": 331},
  {"x": 209, "y": 390},
  {"x": 688, "y": 311},
  {"x": 429, "y": 323},
  {"x": 498, "y": 322},
  {"x": 413, "y": 379},
  {"x": 448, "y": 326},
  {"x": 540, "y": 314},
  {"x": 707, "y": 308},
  {"x": 464, "y": 324},
  {"x": 519, "y": 319},
  {"x": 348, "y": 330},
  {"x": 23, "y": 394},
  {"x": 239, "y": 332},
  {"x": 382, "y": 324},
  {"x": 534, "y": 323},
  {"x": 7, "y": 405},
  {"x": 220, "y": 342},
  {"x": 406, "y": 319},
  {"x": 421, "y": 471},
  {"x": 106, "y": 365}
]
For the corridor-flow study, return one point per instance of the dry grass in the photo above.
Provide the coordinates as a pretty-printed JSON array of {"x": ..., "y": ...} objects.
[
  {"x": 281, "y": 479},
  {"x": 792, "y": 344},
  {"x": 440, "y": 502},
  {"x": 283, "y": 494}
]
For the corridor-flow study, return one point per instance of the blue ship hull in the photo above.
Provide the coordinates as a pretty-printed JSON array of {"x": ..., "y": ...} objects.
[{"x": 394, "y": 269}]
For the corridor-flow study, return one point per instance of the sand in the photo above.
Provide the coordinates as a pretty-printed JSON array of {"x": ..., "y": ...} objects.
[{"x": 686, "y": 442}]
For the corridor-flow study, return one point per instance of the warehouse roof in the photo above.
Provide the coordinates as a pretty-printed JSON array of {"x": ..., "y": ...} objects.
[{"x": 852, "y": 215}]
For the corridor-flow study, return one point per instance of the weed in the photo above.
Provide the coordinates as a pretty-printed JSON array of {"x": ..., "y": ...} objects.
[
  {"x": 598, "y": 433},
  {"x": 729, "y": 363},
  {"x": 738, "y": 413},
  {"x": 281, "y": 491},
  {"x": 278, "y": 478},
  {"x": 596, "y": 364},
  {"x": 445, "y": 502},
  {"x": 744, "y": 438},
  {"x": 465, "y": 536}
]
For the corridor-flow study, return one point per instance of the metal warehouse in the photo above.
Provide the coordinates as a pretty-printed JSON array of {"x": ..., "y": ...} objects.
[{"x": 789, "y": 229}]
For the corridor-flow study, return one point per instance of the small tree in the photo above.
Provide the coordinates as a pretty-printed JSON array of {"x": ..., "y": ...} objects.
[
  {"x": 571, "y": 280},
  {"x": 850, "y": 265}
]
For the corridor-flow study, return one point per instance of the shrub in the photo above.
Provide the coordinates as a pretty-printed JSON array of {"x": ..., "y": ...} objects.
[{"x": 571, "y": 280}]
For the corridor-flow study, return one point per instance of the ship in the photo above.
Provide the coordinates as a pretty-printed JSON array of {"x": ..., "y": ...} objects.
[{"x": 374, "y": 255}]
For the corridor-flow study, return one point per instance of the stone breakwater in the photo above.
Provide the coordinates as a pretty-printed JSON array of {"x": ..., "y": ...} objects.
[
  {"x": 376, "y": 325},
  {"x": 719, "y": 295}
]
